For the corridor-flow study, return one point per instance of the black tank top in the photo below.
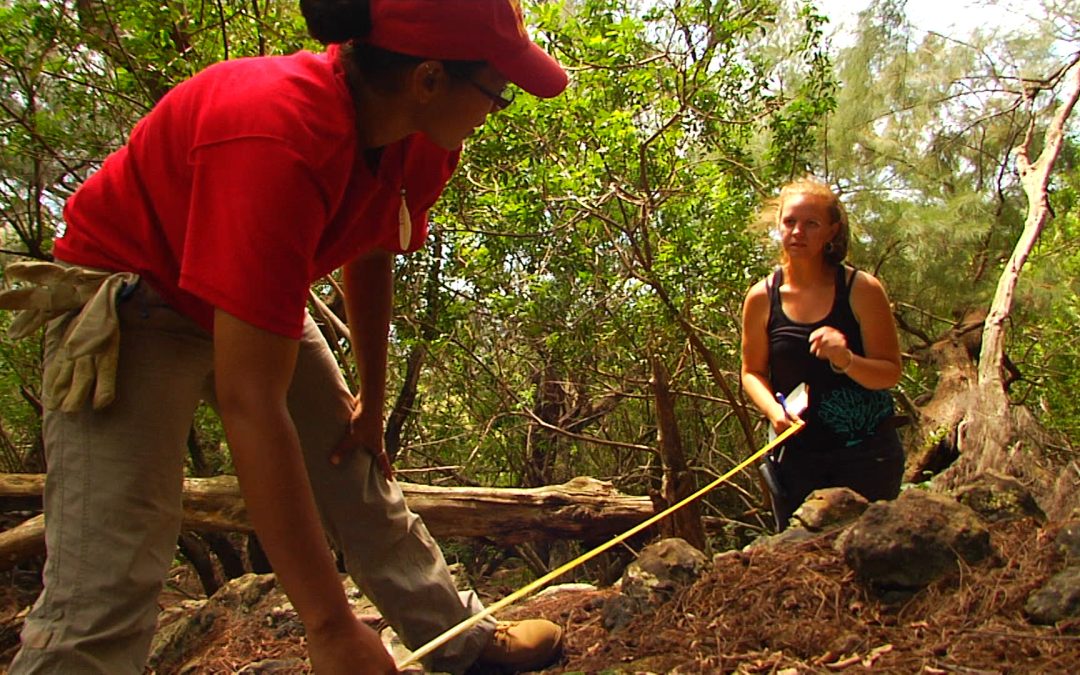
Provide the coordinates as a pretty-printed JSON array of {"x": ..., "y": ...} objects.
[{"x": 842, "y": 412}]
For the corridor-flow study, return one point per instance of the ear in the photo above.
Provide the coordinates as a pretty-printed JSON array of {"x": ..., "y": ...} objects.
[{"x": 427, "y": 80}]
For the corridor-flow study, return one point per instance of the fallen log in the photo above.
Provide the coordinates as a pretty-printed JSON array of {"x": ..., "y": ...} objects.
[
  {"x": 583, "y": 508},
  {"x": 23, "y": 541}
]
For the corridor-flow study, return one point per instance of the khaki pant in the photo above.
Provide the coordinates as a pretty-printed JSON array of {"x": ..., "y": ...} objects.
[{"x": 113, "y": 505}]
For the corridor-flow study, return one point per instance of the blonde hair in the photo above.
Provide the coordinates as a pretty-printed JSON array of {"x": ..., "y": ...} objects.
[{"x": 770, "y": 214}]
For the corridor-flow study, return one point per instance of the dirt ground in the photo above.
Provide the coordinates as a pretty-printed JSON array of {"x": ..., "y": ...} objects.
[
  {"x": 799, "y": 610},
  {"x": 791, "y": 610}
]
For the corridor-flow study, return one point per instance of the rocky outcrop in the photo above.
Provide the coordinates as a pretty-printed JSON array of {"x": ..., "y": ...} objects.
[
  {"x": 997, "y": 497},
  {"x": 1059, "y": 599},
  {"x": 823, "y": 511},
  {"x": 659, "y": 571},
  {"x": 274, "y": 667},
  {"x": 894, "y": 548},
  {"x": 830, "y": 508},
  {"x": 184, "y": 628},
  {"x": 908, "y": 543},
  {"x": 1067, "y": 542}
]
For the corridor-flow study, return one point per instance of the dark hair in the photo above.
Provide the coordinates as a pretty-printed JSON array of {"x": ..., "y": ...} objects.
[
  {"x": 383, "y": 69},
  {"x": 348, "y": 22},
  {"x": 330, "y": 21}
]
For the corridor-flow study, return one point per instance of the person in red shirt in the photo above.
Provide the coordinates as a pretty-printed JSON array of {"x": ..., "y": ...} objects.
[{"x": 244, "y": 185}]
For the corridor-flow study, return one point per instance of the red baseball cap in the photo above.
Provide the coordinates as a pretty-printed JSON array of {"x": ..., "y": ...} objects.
[{"x": 468, "y": 30}]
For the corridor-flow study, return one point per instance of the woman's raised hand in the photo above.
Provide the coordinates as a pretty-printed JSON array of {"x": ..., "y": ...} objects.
[{"x": 829, "y": 344}]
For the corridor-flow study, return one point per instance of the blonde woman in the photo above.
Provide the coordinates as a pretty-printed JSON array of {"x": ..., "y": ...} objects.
[{"x": 817, "y": 321}]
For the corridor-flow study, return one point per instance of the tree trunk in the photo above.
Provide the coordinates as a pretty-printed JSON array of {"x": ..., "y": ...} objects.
[
  {"x": 678, "y": 481},
  {"x": 22, "y": 541},
  {"x": 583, "y": 508},
  {"x": 543, "y": 442},
  {"x": 953, "y": 355},
  {"x": 406, "y": 398},
  {"x": 993, "y": 434}
]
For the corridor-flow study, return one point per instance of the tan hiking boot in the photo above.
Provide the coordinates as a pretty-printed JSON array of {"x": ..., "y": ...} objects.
[{"x": 531, "y": 644}]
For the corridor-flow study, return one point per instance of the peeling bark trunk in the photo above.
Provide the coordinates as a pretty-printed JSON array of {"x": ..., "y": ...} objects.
[
  {"x": 993, "y": 434},
  {"x": 563, "y": 410},
  {"x": 943, "y": 432},
  {"x": 935, "y": 445}
]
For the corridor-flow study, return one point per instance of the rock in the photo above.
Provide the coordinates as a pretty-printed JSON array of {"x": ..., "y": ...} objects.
[
  {"x": 660, "y": 570},
  {"x": 997, "y": 497},
  {"x": 906, "y": 544},
  {"x": 618, "y": 611},
  {"x": 175, "y": 642},
  {"x": 246, "y": 591},
  {"x": 398, "y": 651},
  {"x": 1067, "y": 541},
  {"x": 284, "y": 621},
  {"x": 1058, "y": 599},
  {"x": 791, "y": 535},
  {"x": 829, "y": 508},
  {"x": 566, "y": 588},
  {"x": 824, "y": 510}
]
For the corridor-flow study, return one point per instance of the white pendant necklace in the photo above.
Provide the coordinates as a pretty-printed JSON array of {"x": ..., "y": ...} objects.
[{"x": 404, "y": 220}]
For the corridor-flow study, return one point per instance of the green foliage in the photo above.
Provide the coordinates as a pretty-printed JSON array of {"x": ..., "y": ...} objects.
[
  {"x": 76, "y": 76},
  {"x": 923, "y": 141},
  {"x": 585, "y": 234},
  {"x": 20, "y": 423},
  {"x": 1044, "y": 343},
  {"x": 579, "y": 228}
]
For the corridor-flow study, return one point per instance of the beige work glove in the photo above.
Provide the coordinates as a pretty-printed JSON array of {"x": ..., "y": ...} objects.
[{"x": 86, "y": 358}]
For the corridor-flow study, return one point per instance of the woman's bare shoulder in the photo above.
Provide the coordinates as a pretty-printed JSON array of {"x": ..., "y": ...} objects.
[
  {"x": 761, "y": 287},
  {"x": 757, "y": 298},
  {"x": 866, "y": 285}
]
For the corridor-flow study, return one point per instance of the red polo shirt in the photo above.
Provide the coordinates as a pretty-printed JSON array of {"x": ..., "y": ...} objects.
[{"x": 244, "y": 185}]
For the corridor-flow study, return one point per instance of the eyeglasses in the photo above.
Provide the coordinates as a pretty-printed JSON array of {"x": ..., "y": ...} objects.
[{"x": 500, "y": 99}]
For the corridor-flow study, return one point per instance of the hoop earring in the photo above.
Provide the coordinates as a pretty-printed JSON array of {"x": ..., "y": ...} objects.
[{"x": 829, "y": 248}]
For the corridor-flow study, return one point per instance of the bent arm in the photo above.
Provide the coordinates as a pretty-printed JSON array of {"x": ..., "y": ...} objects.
[
  {"x": 253, "y": 370},
  {"x": 880, "y": 367},
  {"x": 369, "y": 299},
  {"x": 754, "y": 372}
]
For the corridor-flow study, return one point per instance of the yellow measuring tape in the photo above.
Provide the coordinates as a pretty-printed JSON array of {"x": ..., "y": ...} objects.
[{"x": 525, "y": 590}]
